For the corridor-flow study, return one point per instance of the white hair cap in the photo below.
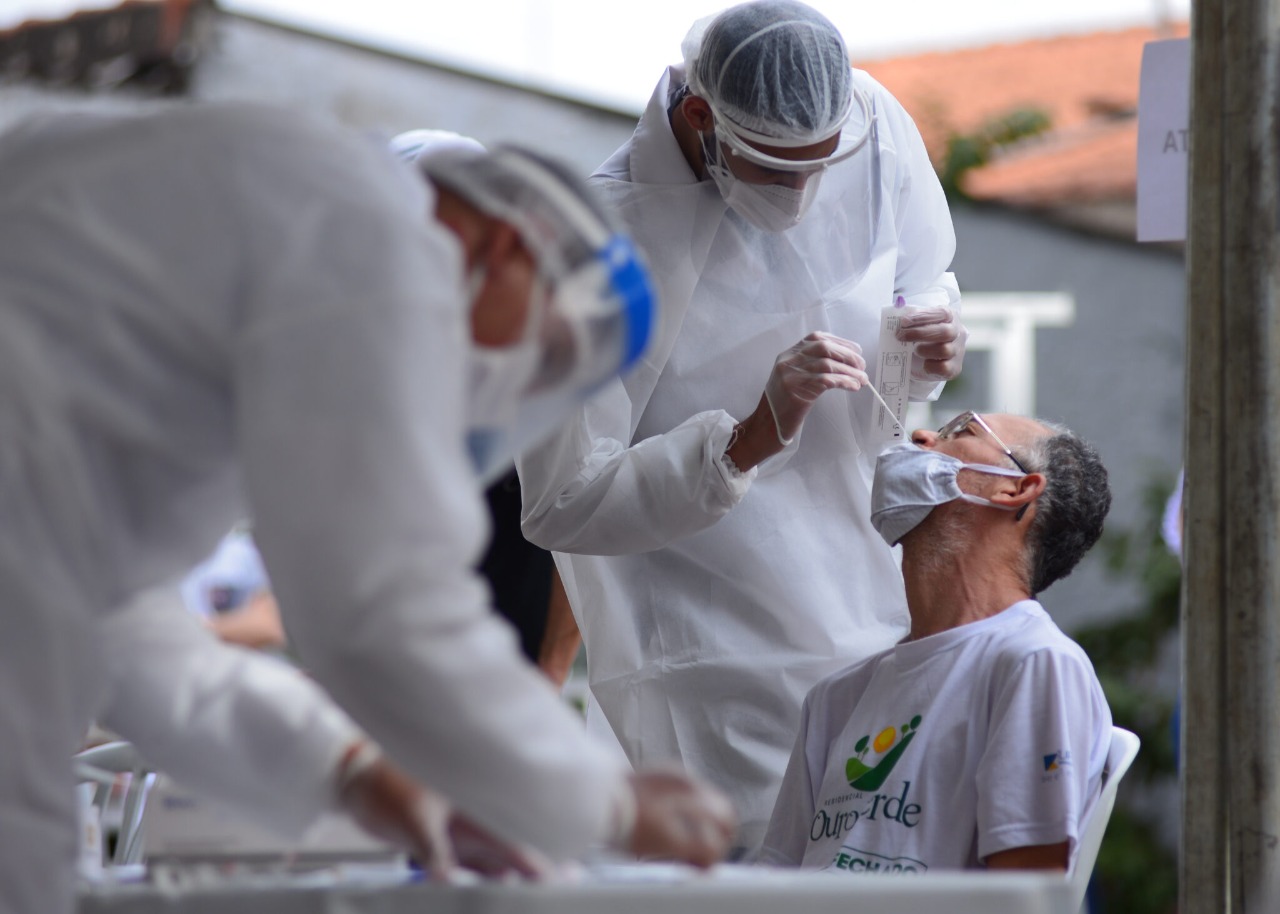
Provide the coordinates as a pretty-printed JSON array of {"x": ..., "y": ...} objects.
[
  {"x": 415, "y": 145},
  {"x": 774, "y": 69}
]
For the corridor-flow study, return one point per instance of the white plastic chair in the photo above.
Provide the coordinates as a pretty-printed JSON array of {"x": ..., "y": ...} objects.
[
  {"x": 1124, "y": 748},
  {"x": 101, "y": 765}
]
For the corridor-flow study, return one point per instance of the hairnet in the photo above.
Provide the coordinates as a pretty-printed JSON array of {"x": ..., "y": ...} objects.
[
  {"x": 553, "y": 210},
  {"x": 414, "y": 145},
  {"x": 775, "y": 68}
]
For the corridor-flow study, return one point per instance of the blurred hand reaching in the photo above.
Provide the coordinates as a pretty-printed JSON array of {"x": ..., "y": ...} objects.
[
  {"x": 390, "y": 805},
  {"x": 678, "y": 818}
]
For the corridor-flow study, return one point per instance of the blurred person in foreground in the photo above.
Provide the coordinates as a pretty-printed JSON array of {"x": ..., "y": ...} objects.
[
  {"x": 979, "y": 739},
  {"x": 713, "y": 539},
  {"x": 527, "y": 590},
  {"x": 212, "y": 313}
]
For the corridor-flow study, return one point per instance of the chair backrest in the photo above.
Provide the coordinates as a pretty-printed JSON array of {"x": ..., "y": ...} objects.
[{"x": 1124, "y": 748}]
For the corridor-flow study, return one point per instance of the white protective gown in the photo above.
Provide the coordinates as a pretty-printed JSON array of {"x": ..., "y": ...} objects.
[
  {"x": 175, "y": 692},
  {"x": 214, "y": 313},
  {"x": 710, "y": 604}
]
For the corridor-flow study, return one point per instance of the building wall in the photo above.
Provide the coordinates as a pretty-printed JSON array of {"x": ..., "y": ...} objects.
[
  {"x": 253, "y": 62},
  {"x": 1115, "y": 375}
]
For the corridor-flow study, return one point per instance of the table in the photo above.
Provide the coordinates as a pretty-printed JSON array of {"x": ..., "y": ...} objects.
[{"x": 636, "y": 890}]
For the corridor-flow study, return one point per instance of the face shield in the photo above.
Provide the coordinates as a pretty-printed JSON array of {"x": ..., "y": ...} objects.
[
  {"x": 590, "y": 314},
  {"x": 587, "y": 328},
  {"x": 775, "y": 192},
  {"x": 738, "y": 140}
]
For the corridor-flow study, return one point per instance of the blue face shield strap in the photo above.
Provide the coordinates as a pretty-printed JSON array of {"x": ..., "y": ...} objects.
[{"x": 629, "y": 281}]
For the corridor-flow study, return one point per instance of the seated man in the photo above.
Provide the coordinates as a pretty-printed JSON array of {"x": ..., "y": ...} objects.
[{"x": 980, "y": 738}]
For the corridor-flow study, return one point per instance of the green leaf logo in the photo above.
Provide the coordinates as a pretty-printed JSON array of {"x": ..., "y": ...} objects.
[{"x": 862, "y": 776}]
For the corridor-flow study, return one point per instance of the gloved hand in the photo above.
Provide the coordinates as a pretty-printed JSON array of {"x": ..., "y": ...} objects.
[
  {"x": 479, "y": 851},
  {"x": 939, "y": 340},
  {"x": 678, "y": 818},
  {"x": 818, "y": 363},
  {"x": 390, "y": 805}
]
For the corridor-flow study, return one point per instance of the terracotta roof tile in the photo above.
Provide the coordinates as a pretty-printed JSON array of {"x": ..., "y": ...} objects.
[
  {"x": 1087, "y": 84},
  {"x": 1087, "y": 166}
]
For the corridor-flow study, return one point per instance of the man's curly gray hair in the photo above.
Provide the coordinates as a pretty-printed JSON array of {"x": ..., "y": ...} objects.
[{"x": 1070, "y": 510}]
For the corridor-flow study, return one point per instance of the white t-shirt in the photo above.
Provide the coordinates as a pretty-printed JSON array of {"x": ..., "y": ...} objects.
[{"x": 937, "y": 753}]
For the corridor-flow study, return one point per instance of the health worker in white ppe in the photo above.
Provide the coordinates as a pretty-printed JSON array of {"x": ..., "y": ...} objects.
[
  {"x": 714, "y": 540},
  {"x": 211, "y": 313}
]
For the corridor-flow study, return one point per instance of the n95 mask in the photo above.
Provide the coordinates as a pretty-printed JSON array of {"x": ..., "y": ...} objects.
[
  {"x": 910, "y": 481},
  {"x": 769, "y": 207}
]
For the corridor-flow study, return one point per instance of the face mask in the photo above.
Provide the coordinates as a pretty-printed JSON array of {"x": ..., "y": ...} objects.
[
  {"x": 911, "y": 481},
  {"x": 499, "y": 380},
  {"x": 488, "y": 460},
  {"x": 770, "y": 207},
  {"x": 500, "y": 376}
]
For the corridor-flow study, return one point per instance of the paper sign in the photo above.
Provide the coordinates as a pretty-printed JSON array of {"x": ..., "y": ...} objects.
[{"x": 1164, "y": 121}]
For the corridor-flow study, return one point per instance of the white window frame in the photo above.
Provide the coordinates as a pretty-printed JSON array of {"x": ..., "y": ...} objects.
[{"x": 1004, "y": 324}]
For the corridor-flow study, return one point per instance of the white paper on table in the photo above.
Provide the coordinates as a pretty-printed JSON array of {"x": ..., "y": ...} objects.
[{"x": 178, "y": 823}]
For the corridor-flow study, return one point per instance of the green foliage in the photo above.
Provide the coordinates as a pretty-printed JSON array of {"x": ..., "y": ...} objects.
[
  {"x": 1136, "y": 871},
  {"x": 973, "y": 150}
]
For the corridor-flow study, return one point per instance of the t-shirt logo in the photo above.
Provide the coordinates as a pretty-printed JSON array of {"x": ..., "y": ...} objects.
[
  {"x": 889, "y": 744},
  {"x": 1055, "y": 760}
]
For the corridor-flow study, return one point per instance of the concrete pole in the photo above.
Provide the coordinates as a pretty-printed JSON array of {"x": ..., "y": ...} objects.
[{"x": 1231, "y": 593}]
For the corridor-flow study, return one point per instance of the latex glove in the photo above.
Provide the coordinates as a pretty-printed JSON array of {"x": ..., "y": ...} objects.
[
  {"x": 390, "y": 805},
  {"x": 678, "y": 818},
  {"x": 939, "y": 340},
  {"x": 479, "y": 851},
  {"x": 818, "y": 363}
]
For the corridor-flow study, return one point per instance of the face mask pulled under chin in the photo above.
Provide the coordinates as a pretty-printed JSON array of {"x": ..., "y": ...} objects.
[
  {"x": 911, "y": 481},
  {"x": 769, "y": 207}
]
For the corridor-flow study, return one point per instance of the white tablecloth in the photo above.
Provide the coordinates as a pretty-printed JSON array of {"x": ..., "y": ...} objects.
[{"x": 728, "y": 890}]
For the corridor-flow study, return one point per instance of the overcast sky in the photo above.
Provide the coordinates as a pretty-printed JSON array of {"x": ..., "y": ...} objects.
[{"x": 611, "y": 52}]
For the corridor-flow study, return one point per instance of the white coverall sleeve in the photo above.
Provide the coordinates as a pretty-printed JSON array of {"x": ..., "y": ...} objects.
[
  {"x": 349, "y": 418},
  {"x": 587, "y": 492},
  {"x": 926, "y": 237},
  {"x": 228, "y": 722}
]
